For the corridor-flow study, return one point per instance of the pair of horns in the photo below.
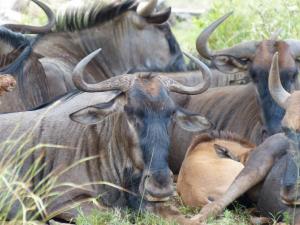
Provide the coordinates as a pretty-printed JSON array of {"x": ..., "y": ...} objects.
[
  {"x": 279, "y": 94},
  {"x": 124, "y": 82},
  {"x": 34, "y": 29},
  {"x": 242, "y": 50}
]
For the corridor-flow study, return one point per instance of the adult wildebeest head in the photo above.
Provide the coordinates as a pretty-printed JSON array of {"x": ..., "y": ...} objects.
[
  {"x": 291, "y": 127},
  {"x": 133, "y": 36},
  {"x": 145, "y": 100},
  {"x": 255, "y": 58}
]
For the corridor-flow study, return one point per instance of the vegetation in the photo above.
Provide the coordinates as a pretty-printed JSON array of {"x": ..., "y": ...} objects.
[
  {"x": 121, "y": 217},
  {"x": 17, "y": 192},
  {"x": 251, "y": 20}
]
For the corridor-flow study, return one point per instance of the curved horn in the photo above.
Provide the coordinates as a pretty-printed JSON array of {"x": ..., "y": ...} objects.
[
  {"x": 33, "y": 29},
  {"x": 121, "y": 83},
  {"x": 202, "y": 40},
  {"x": 175, "y": 86},
  {"x": 146, "y": 8},
  {"x": 294, "y": 47},
  {"x": 275, "y": 34},
  {"x": 242, "y": 50},
  {"x": 277, "y": 91}
]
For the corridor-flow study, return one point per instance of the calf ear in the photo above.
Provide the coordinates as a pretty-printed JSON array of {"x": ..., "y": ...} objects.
[
  {"x": 96, "y": 113},
  {"x": 223, "y": 152},
  {"x": 191, "y": 122},
  {"x": 230, "y": 64}
]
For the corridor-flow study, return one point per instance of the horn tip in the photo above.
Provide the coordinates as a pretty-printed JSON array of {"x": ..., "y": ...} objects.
[
  {"x": 275, "y": 56},
  {"x": 97, "y": 51}
]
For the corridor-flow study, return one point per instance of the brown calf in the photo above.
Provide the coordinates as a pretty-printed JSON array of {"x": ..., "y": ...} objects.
[{"x": 212, "y": 162}]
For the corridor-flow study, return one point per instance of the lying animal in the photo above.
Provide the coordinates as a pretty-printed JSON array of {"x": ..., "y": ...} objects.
[
  {"x": 122, "y": 124},
  {"x": 274, "y": 163},
  {"x": 212, "y": 162}
]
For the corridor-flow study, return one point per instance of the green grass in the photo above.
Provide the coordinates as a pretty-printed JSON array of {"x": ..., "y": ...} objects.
[
  {"x": 238, "y": 216},
  {"x": 252, "y": 20},
  {"x": 120, "y": 217}
]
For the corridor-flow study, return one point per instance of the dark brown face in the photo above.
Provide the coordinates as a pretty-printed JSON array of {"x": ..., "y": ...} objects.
[
  {"x": 149, "y": 110},
  {"x": 257, "y": 65},
  {"x": 272, "y": 114}
]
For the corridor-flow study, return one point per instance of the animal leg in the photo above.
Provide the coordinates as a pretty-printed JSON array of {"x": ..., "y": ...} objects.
[
  {"x": 171, "y": 213},
  {"x": 257, "y": 167}
]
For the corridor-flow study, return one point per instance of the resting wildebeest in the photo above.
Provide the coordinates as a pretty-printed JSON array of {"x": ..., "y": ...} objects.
[
  {"x": 133, "y": 37},
  {"x": 212, "y": 162},
  {"x": 247, "y": 110},
  {"x": 17, "y": 59},
  {"x": 124, "y": 124},
  {"x": 275, "y": 162}
]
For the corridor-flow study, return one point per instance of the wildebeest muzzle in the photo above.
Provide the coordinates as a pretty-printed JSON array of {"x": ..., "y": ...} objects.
[{"x": 157, "y": 186}]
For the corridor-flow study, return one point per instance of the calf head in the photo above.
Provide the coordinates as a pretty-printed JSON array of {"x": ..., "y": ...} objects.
[
  {"x": 145, "y": 100},
  {"x": 255, "y": 58},
  {"x": 291, "y": 126}
]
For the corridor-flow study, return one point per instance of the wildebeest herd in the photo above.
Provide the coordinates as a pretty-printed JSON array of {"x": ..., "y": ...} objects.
[{"x": 109, "y": 83}]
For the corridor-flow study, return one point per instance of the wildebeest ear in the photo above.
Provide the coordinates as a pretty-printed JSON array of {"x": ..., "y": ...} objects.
[
  {"x": 191, "y": 122},
  {"x": 230, "y": 64},
  {"x": 96, "y": 113}
]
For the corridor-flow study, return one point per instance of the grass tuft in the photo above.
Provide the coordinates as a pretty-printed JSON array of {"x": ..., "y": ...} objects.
[{"x": 252, "y": 20}]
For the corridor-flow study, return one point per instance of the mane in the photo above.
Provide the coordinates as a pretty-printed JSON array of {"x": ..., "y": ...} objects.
[
  {"x": 223, "y": 135},
  {"x": 71, "y": 18}
]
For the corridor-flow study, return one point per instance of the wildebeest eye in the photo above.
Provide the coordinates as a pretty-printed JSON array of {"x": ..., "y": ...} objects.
[{"x": 244, "y": 60}]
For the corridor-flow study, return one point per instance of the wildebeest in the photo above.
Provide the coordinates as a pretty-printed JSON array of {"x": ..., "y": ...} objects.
[
  {"x": 17, "y": 59},
  {"x": 248, "y": 110},
  {"x": 7, "y": 83},
  {"x": 133, "y": 37},
  {"x": 275, "y": 163},
  {"x": 212, "y": 162},
  {"x": 124, "y": 124}
]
